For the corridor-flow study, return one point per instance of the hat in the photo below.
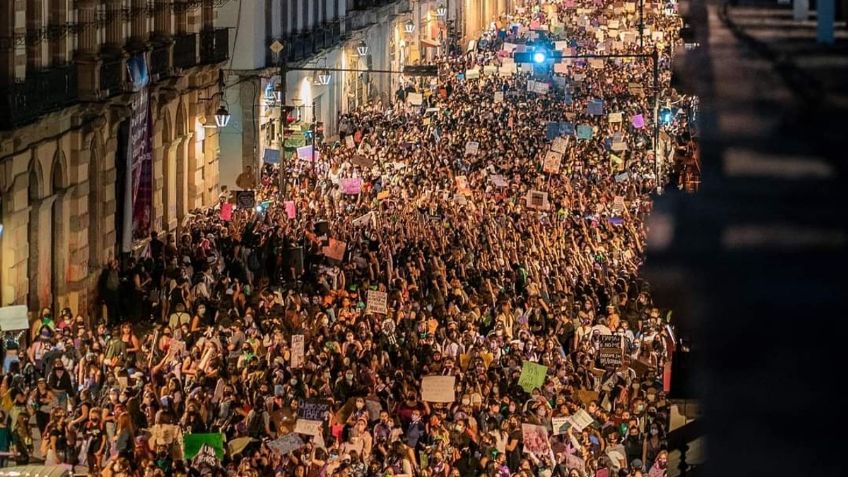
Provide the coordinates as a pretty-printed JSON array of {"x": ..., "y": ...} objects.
[{"x": 636, "y": 464}]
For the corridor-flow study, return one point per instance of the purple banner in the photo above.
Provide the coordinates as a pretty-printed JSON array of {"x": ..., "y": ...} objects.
[{"x": 141, "y": 163}]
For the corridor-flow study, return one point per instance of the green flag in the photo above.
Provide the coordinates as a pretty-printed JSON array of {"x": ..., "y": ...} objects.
[{"x": 193, "y": 442}]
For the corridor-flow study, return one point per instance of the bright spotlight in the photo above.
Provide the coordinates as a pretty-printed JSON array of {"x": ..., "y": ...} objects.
[{"x": 539, "y": 57}]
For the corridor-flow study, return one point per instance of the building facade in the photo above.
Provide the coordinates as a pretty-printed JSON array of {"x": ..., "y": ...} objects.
[
  {"x": 332, "y": 34},
  {"x": 104, "y": 114}
]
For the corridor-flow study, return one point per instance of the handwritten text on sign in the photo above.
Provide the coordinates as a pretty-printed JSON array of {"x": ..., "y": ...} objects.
[{"x": 377, "y": 302}]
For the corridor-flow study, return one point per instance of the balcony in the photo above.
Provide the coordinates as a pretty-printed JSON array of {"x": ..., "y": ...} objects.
[
  {"x": 185, "y": 50},
  {"x": 214, "y": 46},
  {"x": 41, "y": 92},
  {"x": 160, "y": 62},
  {"x": 112, "y": 76}
]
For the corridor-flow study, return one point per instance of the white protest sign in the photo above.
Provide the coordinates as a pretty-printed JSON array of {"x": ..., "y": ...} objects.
[
  {"x": 581, "y": 420},
  {"x": 507, "y": 69},
  {"x": 561, "y": 45},
  {"x": 499, "y": 96},
  {"x": 377, "y": 302},
  {"x": 498, "y": 180},
  {"x": 490, "y": 69},
  {"x": 364, "y": 220},
  {"x": 297, "y": 352},
  {"x": 618, "y": 205},
  {"x": 415, "y": 99},
  {"x": 509, "y": 47},
  {"x": 615, "y": 117},
  {"x": 559, "y": 144},
  {"x": 286, "y": 444},
  {"x": 596, "y": 64},
  {"x": 308, "y": 427},
  {"x": 560, "y": 425},
  {"x": 14, "y": 318},
  {"x": 612, "y": 24},
  {"x": 349, "y": 142},
  {"x": 471, "y": 147},
  {"x": 438, "y": 389},
  {"x": 473, "y": 73}
]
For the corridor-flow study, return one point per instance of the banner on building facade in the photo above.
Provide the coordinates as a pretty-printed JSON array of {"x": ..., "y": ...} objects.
[{"x": 140, "y": 163}]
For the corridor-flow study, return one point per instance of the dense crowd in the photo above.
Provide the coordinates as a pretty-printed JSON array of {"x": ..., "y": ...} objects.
[{"x": 267, "y": 319}]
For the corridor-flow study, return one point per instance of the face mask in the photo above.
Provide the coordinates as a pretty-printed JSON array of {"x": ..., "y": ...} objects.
[
  {"x": 349, "y": 377},
  {"x": 655, "y": 432}
]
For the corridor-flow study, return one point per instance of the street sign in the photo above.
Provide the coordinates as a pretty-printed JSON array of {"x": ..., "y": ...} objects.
[{"x": 421, "y": 70}]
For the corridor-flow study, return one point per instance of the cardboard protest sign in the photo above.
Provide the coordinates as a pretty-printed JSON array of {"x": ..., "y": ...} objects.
[
  {"x": 616, "y": 162},
  {"x": 349, "y": 142},
  {"x": 586, "y": 395},
  {"x": 532, "y": 376},
  {"x": 351, "y": 185},
  {"x": 595, "y": 107},
  {"x": 245, "y": 199},
  {"x": 613, "y": 24},
  {"x": 335, "y": 250},
  {"x": 584, "y": 131},
  {"x": 638, "y": 121},
  {"x": 438, "y": 389},
  {"x": 490, "y": 69},
  {"x": 536, "y": 440},
  {"x": 414, "y": 99},
  {"x": 581, "y": 420},
  {"x": 618, "y": 146},
  {"x": 640, "y": 367},
  {"x": 499, "y": 96},
  {"x": 560, "y": 45},
  {"x": 560, "y": 425},
  {"x": 471, "y": 147},
  {"x": 618, "y": 205},
  {"x": 635, "y": 89},
  {"x": 297, "y": 351},
  {"x": 610, "y": 349},
  {"x": 473, "y": 73},
  {"x": 193, "y": 442},
  {"x": 287, "y": 444},
  {"x": 552, "y": 162},
  {"x": 376, "y": 302},
  {"x": 622, "y": 177},
  {"x": 615, "y": 117},
  {"x": 362, "y": 161},
  {"x": 559, "y": 145}
]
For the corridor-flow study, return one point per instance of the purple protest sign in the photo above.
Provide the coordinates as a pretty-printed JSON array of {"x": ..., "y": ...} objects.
[{"x": 638, "y": 121}]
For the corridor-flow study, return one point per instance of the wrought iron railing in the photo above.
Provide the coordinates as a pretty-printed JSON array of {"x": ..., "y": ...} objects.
[
  {"x": 214, "y": 46},
  {"x": 41, "y": 92},
  {"x": 185, "y": 50}
]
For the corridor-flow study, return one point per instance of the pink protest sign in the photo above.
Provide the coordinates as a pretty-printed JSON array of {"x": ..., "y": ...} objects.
[
  {"x": 351, "y": 185},
  {"x": 638, "y": 121},
  {"x": 291, "y": 211},
  {"x": 226, "y": 211}
]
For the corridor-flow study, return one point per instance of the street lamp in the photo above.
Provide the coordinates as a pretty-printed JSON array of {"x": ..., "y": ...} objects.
[
  {"x": 441, "y": 10},
  {"x": 323, "y": 78},
  {"x": 362, "y": 49},
  {"x": 409, "y": 27},
  {"x": 222, "y": 116}
]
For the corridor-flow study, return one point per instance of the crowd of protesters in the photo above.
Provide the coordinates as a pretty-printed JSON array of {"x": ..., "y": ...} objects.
[{"x": 479, "y": 280}]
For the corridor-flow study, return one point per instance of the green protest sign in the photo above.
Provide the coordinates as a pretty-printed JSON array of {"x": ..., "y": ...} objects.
[
  {"x": 532, "y": 376},
  {"x": 193, "y": 442}
]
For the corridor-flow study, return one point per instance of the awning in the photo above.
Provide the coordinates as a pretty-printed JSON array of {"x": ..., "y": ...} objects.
[
  {"x": 272, "y": 156},
  {"x": 430, "y": 43}
]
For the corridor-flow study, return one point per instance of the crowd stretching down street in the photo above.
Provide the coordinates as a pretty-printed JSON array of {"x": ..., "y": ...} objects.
[{"x": 450, "y": 289}]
